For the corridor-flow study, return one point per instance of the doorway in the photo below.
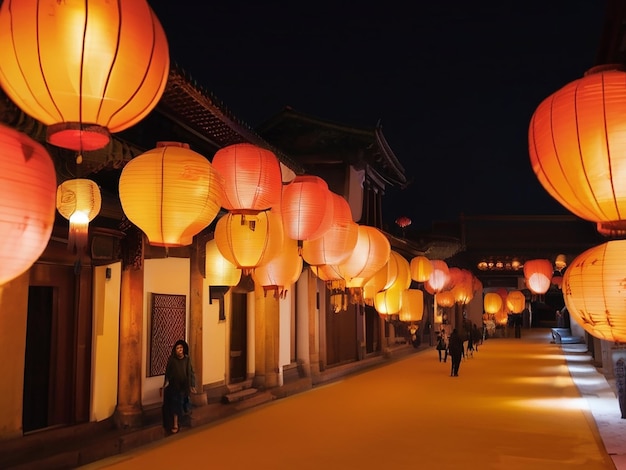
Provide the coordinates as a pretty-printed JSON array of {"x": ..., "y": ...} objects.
[{"x": 238, "y": 337}]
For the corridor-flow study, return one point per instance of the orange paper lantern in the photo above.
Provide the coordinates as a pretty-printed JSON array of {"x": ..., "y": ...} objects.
[
  {"x": 307, "y": 208},
  {"x": 27, "y": 190},
  {"x": 371, "y": 252},
  {"x": 421, "y": 268},
  {"x": 446, "y": 298},
  {"x": 282, "y": 271},
  {"x": 515, "y": 301},
  {"x": 412, "y": 307},
  {"x": 252, "y": 178},
  {"x": 492, "y": 302},
  {"x": 576, "y": 143},
  {"x": 84, "y": 68},
  {"x": 171, "y": 193},
  {"x": 538, "y": 275},
  {"x": 593, "y": 290},
  {"x": 338, "y": 242}
]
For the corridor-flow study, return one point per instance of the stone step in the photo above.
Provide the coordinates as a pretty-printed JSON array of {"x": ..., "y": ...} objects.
[{"x": 239, "y": 395}]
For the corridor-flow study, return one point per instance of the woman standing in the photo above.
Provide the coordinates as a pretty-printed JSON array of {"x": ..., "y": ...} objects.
[{"x": 180, "y": 381}]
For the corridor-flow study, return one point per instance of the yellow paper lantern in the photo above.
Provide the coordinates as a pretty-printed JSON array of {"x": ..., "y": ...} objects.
[
  {"x": 338, "y": 242},
  {"x": 576, "y": 144},
  {"x": 421, "y": 268},
  {"x": 492, "y": 302},
  {"x": 27, "y": 197},
  {"x": 398, "y": 271},
  {"x": 171, "y": 193},
  {"x": 79, "y": 201},
  {"x": 371, "y": 252},
  {"x": 83, "y": 67},
  {"x": 218, "y": 270},
  {"x": 515, "y": 301},
  {"x": 249, "y": 240},
  {"x": 412, "y": 307},
  {"x": 307, "y": 208},
  {"x": 389, "y": 301},
  {"x": 282, "y": 271},
  {"x": 252, "y": 178},
  {"x": 374, "y": 285},
  {"x": 593, "y": 290},
  {"x": 538, "y": 275}
]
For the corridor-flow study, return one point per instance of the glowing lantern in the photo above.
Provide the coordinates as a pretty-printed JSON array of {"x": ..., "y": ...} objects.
[
  {"x": 403, "y": 222},
  {"x": 374, "y": 285},
  {"x": 576, "y": 143},
  {"x": 446, "y": 298},
  {"x": 412, "y": 307},
  {"x": 421, "y": 268},
  {"x": 27, "y": 186},
  {"x": 463, "y": 289},
  {"x": 515, "y": 301},
  {"x": 79, "y": 201},
  {"x": 171, "y": 193},
  {"x": 538, "y": 275},
  {"x": 388, "y": 301},
  {"x": 593, "y": 290},
  {"x": 218, "y": 270},
  {"x": 83, "y": 68},
  {"x": 252, "y": 178},
  {"x": 440, "y": 275},
  {"x": 327, "y": 272},
  {"x": 398, "y": 272},
  {"x": 307, "y": 208},
  {"x": 492, "y": 303},
  {"x": 249, "y": 241},
  {"x": 282, "y": 271},
  {"x": 338, "y": 242},
  {"x": 371, "y": 252}
]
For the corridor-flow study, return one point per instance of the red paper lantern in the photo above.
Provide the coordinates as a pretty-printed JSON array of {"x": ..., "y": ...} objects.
[
  {"x": 83, "y": 68},
  {"x": 252, "y": 178},
  {"x": 576, "y": 144},
  {"x": 27, "y": 202}
]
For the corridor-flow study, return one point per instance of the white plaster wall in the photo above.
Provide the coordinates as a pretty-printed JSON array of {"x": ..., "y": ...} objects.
[
  {"x": 215, "y": 336},
  {"x": 105, "y": 344}
]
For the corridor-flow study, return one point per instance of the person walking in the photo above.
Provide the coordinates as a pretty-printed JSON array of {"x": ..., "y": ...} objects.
[
  {"x": 455, "y": 348},
  {"x": 442, "y": 345},
  {"x": 179, "y": 383}
]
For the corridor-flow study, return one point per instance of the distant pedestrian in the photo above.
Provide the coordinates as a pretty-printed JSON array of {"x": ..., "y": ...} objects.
[
  {"x": 442, "y": 345},
  {"x": 477, "y": 336},
  {"x": 455, "y": 349}
]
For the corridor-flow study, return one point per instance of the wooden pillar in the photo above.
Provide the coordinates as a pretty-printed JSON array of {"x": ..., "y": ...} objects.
[
  {"x": 314, "y": 351},
  {"x": 196, "y": 295},
  {"x": 266, "y": 338},
  {"x": 128, "y": 413}
]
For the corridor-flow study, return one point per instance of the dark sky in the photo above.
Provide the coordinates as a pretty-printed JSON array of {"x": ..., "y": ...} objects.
[{"x": 454, "y": 83}]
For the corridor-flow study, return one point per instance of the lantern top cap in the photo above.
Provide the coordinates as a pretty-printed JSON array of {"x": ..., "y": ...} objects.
[
  {"x": 172, "y": 144},
  {"x": 605, "y": 68}
]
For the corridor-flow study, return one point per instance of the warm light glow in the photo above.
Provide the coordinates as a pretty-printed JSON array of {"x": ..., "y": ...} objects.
[
  {"x": 249, "y": 241},
  {"x": 515, "y": 301},
  {"x": 79, "y": 201},
  {"x": 337, "y": 243},
  {"x": 421, "y": 268},
  {"x": 252, "y": 177},
  {"x": 218, "y": 270},
  {"x": 538, "y": 275},
  {"x": 171, "y": 193},
  {"x": 440, "y": 275},
  {"x": 27, "y": 189},
  {"x": 280, "y": 272},
  {"x": 83, "y": 68},
  {"x": 446, "y": 299},
  {"x": 492, "y": 302},
  {"x": 412, "y": 305},
  {"x": 307, "y": 208},
  {"x": 593, "y": 290},
  {"x": 374, "y": 285},
  {"x": 577, "y": 146},
  {"x": 398, "y": 272},
  {"x": 388, "y": 301},
  {"x": 371, "y": 252}
]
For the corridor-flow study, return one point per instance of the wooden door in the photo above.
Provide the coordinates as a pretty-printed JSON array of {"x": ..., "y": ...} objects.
[{"x": 238, "y": 338}]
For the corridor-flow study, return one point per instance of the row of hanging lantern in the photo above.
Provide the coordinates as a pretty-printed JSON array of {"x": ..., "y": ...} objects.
[{"x": 577, "y": 152}]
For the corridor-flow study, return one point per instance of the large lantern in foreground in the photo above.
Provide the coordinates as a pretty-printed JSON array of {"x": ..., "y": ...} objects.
[
  {"x": 83, "y": 67},
  {"x": 371, "y": 253},
  {"x": 27, "y": 190},
  {"x": 307, "y": 208},
  {"x": 171, "y": 193},
  {"x": 594, "y": 290},
  {"x": 577, "y": 146}
]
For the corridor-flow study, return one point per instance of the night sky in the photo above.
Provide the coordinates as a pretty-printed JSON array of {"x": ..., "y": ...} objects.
[{"x": 453, "y": 83}]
